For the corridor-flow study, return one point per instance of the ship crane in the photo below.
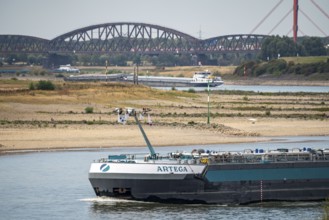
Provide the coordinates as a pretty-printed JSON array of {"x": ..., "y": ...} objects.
[{"x": 123, "y": 116}]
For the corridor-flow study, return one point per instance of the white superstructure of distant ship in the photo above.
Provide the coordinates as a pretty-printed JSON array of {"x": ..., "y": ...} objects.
[{"x": 67, "y": 69}]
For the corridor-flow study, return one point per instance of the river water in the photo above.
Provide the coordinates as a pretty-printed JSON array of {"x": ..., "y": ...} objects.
[
  {"x": 257, "y": 88},
  {"x": 262, "y": 88},
  {"x": 54, "y": 185}
]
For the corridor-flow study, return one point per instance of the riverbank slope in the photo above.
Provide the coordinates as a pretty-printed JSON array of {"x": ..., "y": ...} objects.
[{"x": 57, "y": 119}]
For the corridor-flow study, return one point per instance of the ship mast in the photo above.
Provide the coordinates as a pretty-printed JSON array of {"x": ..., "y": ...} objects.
[
  {"x": 123, "y": 117},
  {"x": 149, "y": 145}
]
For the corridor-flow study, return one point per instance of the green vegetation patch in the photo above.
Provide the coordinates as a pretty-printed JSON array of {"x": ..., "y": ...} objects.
[{"x": 281, "y": 67}]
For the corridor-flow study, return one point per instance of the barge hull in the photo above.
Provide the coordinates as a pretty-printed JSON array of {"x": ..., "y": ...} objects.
[
  {"x": 195, "y": 191},
  {"x": 224, "y": 184}
]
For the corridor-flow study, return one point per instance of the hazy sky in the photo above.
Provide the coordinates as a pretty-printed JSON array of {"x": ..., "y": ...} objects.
[{"x": 51, "y": 18}]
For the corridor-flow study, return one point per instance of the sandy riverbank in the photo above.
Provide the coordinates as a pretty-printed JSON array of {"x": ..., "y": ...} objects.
[
  {"x": 41, "y": 120},
  {"x": 106, "y": 136}
]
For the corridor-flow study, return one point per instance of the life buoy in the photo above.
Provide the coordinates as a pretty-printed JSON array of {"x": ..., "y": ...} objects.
[{"x": 204, "y": 160}]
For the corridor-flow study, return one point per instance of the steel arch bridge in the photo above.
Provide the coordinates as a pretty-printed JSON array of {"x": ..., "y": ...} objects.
[
  {"x": 137, "y": 38},
  {"x": 233, "y": 43},
  {"x": 22, "y": 44},
  {"x": 124, "y": 37}
]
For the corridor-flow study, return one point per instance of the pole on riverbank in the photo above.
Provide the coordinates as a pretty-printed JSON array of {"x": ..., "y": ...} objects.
[
  {"x": 106, "y": 70},
  {"x": 208, "y": 121}
]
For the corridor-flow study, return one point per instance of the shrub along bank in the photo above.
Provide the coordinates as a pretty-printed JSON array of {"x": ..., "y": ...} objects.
[{"x": 281, "y": 67}]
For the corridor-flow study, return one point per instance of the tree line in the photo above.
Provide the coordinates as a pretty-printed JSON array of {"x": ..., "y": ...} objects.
[
  {"x": 276, "y": 47},
  {"x": 278, "y": 67}
]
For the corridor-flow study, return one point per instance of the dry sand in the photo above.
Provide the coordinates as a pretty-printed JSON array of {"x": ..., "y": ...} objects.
[
  {"x": 105, "y": 136},
  {"x": 41, "y": 120}
]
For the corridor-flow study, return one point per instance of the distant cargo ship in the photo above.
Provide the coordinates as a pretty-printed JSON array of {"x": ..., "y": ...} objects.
[
  {"x": 200, "y": 79},
  {"x": 214, "y": 177}
]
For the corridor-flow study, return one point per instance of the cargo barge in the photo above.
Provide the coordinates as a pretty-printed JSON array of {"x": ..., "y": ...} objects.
[
  {"x": 199, "y": 79},
  {"x": 214, "y": 177}
]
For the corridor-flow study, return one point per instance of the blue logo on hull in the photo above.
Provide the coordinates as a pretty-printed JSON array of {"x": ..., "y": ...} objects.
[{"x": 105, "y": 167}]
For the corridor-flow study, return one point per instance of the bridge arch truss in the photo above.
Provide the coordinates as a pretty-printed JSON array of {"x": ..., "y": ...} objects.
[
  {"x": 233, "y": 43},
  {"x": 125, "y": 38},
  {"x": 137, "y": 38},
  {"x": 22, "y": 44}
]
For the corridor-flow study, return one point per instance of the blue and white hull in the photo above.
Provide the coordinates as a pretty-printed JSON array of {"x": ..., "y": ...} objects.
[{"x": 220, "y": 184}]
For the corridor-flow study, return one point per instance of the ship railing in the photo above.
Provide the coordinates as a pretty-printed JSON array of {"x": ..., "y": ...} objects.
[
  {"x": 222, "y": 157},
  {"x": 255, "y": 158},
  {"x": 102, "y": 160}
]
